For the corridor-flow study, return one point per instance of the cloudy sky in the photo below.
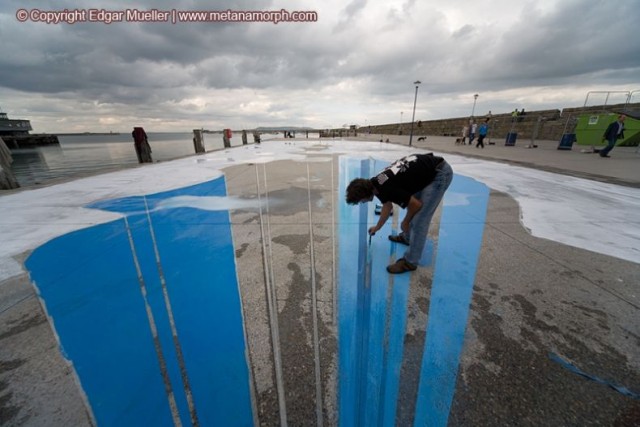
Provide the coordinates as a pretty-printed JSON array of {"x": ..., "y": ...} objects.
[{"x": 355, "y": 65}]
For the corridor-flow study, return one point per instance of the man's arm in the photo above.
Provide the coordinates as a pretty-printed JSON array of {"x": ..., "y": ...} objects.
[
  {"x": 384, "y": 216},
  {"x": 413, "y": 207}
]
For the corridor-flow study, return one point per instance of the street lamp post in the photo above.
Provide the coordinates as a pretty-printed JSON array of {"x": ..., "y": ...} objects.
[
  {"x": 475, "y": 98},
  {"x": 413, "y": 117},
  {"x": 401, "y": 112}
]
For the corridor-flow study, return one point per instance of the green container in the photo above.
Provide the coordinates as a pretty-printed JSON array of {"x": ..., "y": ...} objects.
[{"x": 591, "y": 127}]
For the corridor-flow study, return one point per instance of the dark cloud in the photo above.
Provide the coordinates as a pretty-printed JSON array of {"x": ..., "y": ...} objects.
[
  {"x": 577, "y": 40},
  {"x": 359, "y": 56}
]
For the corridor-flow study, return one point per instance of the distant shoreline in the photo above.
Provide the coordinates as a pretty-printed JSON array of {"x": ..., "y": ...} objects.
[
  {"x": 109, "y": 133},
  {"x": 88, "y": 133}
]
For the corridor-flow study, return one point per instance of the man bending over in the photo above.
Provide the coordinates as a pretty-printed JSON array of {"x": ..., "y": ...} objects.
[{"x": 416, "y": 183}]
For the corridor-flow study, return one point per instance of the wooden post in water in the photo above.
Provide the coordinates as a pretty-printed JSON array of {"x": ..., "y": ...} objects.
[
  {"x": 198, "y": 141},
  {"x": 226, "y": 138},
  {"x": 141, "y": 145},
  {"x": 7, "y": 180}
]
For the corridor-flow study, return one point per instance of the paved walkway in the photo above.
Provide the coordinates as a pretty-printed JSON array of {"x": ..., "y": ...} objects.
[
  {"x": 623, "y": 167},
  {"x": 538, "y": 332}
]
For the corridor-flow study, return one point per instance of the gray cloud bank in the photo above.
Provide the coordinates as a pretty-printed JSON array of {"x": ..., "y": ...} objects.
[{"x": 356, "y": 64}]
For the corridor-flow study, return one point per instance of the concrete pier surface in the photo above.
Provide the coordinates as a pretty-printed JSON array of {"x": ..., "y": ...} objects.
[
  {"x": 578, "y": 161},
  {"x": 538, "y": 326}
]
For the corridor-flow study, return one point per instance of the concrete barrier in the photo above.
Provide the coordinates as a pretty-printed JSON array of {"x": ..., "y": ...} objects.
[{"x": 7, "y": 179}]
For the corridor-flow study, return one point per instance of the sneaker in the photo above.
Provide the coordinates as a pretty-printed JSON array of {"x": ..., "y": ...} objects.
[
  {"x": 401, "y": 266},
  {"x": 399, "y": 238}
]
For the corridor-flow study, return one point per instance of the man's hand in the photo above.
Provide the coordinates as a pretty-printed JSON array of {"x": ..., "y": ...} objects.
[
  {"x": 404, "y": 226},
  {"x": 413, "y": 207},
  {"x": 384, "y": 215}
]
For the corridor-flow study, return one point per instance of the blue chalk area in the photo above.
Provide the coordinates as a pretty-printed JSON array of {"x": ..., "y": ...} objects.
[
  {"x": 141, "y": 235},
  {"x": 374, "y": 357},
  {"x": 395, "y": 345},
  {"x": 395, "y": 349},
  {"x": 377, "y": 308},
  {"x": 573, "y": 368},
  {"x": 363, "y": 302},
  {"x": 348, "y": 279},
  {"x": 459, "y": 244},
  {"x": 428, "y": 254},
  {"x": 370, "y": 357},
  {"x": 88, "y": 282},
  {"x": 372, "y": 305},
  {"x": 89, "y": 285}
]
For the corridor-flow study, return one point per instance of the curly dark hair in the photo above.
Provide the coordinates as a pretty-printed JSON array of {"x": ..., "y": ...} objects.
[{"x": 358, "y": 190}]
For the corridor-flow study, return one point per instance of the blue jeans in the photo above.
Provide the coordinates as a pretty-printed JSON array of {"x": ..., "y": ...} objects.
[{"x": 430, "y": 196}]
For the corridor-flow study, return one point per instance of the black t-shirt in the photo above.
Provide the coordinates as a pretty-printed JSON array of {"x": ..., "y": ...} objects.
[{"x": 405, "y": 177}]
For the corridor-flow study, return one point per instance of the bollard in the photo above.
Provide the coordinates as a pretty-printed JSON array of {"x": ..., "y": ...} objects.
[
  {"x": 141, "y": 145},
  {"x": 226, "y": 138},
  {"x": 198, "y": 141}
]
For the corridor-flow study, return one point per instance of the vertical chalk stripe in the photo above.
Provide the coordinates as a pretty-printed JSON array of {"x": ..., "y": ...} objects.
[
  {"x": 348, "y": 247},
  {"x": 141, "y": 240},
  {"x": 459, "y": 243},
  {"x": 174, "y": 332},
  {"x": 314, "y": 311},
  {"x": 379, "y": 283},
  {"x": 198, "y": 261},
  {"x": 363, "y": 299},
  {"x": 247, "y": 352},
  {"x": 334, "y": 274},
  {"x": 395, "y": 347},
  {"x": 154, "y": 331},
  {"x": 272, "y": 309}
]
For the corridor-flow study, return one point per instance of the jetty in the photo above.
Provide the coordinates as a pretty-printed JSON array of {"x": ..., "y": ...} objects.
[
  {"x": 15, "y": 133},
  {"x": 26, "y": 141}
]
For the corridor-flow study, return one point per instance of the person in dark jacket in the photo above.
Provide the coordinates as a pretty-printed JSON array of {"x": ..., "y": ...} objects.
[
  {"x": 614, "y": 132},
  {"x": 416, "y": 183}
]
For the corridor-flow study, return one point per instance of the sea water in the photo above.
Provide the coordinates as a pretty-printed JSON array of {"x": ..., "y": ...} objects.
[{"x": 80, "y": 155}]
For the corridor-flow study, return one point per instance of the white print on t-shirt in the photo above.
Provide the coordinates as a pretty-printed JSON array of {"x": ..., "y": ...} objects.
[{"x": 396, "y": 167}]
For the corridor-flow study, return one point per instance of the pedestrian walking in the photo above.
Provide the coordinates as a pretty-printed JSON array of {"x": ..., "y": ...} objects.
[
  {"x": 482, "y": 133},
  {"x": 614, "y": 132}
]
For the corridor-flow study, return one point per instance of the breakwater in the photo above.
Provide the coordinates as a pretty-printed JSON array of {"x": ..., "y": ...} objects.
[
  {"x": 26, "y": 140},
  {"x": 540, "y": 124}
]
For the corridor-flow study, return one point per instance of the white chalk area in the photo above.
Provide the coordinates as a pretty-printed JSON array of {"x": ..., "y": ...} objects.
[{"x": 600, "y": 217}]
